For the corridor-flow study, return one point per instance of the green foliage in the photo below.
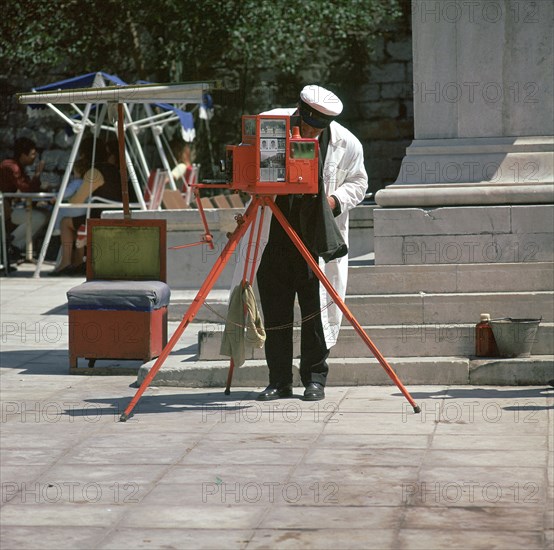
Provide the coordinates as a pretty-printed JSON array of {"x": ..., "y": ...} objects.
[
  {"x": 262, "y": 50},
  {"x": 294, "y": 34},
  {"x": 70, "y": 36},
  {"x": 184, "y": 39}
]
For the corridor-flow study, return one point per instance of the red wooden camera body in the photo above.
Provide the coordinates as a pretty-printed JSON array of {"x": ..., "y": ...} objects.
[{"x": 272, "y": 161}]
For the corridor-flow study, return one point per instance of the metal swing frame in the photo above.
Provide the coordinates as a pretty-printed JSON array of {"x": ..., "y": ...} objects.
[{"x": 104, "y": 96}]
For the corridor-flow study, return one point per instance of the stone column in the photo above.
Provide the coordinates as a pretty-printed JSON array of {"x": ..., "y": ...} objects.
[
  {"x": 483, "y": 105},
  {"x": 484, "y": 122}
]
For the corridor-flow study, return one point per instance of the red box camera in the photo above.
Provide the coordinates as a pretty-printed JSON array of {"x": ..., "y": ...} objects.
[{"x": 271, "y": 161}]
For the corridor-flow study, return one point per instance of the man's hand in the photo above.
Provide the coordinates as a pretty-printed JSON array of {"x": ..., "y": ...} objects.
[{"x": 332, "y": 202}]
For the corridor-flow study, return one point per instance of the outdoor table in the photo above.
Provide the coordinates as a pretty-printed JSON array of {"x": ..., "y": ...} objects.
[{"x": 29, "y": 198}]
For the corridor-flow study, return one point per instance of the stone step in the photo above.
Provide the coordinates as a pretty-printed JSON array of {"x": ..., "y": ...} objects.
[
  {"x": 450, "y": 308},
  {"x": 420, "y": 308},
  {"x": 411, "y": 279},
  {"x": 454, "y": 278},
  {"x": 213, "y": 310},
  {"x": 534, "y": 370},
  {"x": 431, "y": 340}
]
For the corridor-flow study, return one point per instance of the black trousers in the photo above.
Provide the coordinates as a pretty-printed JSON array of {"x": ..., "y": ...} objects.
[{"x": 283, "y": 274}]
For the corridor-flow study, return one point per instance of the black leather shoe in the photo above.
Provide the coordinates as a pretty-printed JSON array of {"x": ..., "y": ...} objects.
[
  {"x": 314, "y": 392},
  {"x": 275, "y": 392}
]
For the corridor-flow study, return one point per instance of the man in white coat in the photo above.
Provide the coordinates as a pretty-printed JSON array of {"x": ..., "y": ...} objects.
[{"x": 283, "y": 273}]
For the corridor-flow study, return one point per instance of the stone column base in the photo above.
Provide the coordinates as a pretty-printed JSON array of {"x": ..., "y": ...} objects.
[
  {"x": 474, "y": 171},
  {"x": 464, "y": 235},
  {"x": 467, "y": 194}
]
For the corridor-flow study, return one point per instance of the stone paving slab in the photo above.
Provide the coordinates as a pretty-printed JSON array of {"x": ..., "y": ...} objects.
[
  {"x": 150, "y": 539},
  {"x": 324, "y": 539},
  {"x": 203, "y": 469},
  {"x": 193, "y": 468},
  {"x": 56, "y": 538},
  {"x": 460, "y": 539}
]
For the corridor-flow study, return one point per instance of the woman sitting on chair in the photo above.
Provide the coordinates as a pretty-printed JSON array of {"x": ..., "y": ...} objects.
[{"x": 101, "y": 180}]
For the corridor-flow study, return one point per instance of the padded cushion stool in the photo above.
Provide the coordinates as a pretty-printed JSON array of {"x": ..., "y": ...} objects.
[
  {"x": 120, "y": 312},
  {"x": 117, "y": 320}
]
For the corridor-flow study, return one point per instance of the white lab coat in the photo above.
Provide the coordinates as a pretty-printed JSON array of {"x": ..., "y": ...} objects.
[{"x": 344, "y": 177}]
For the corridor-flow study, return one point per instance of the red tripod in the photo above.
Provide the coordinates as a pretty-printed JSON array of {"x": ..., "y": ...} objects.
[{"x": 243, "y": 223}]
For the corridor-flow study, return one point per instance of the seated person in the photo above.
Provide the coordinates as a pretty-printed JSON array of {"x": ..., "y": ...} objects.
[
  {"x": 72, "y": 187},
  {"x": 100, "y": 181},
  {"x": 13, "y": 179},
  {"x": 183, "y": 169}
]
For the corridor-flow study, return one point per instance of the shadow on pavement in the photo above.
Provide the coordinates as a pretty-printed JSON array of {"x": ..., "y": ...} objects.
[
  {"x": 472, "y": 393},
  {"x": 209, "y": 403}
]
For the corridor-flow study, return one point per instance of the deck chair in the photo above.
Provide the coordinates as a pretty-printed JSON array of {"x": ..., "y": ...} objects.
[
  {"x": 206, "y": 202},
  {"x": 220, "y": 201},
  {"x": 192, "y": 179},
  {"x": 155, "y": 188},
  {"x": 120, "y": 312},
  {"x": 235, "y": 201},
  {"x": 173, "y": 200}
]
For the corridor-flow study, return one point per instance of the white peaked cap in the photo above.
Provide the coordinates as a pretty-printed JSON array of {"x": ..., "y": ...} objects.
[{"x": 321, "y": 100}]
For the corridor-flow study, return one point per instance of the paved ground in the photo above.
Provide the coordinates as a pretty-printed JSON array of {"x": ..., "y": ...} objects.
[{"x": 195, "y": 469}]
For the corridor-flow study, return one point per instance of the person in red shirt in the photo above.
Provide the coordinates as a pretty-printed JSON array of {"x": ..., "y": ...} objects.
[{"x": 13, "y": 178}]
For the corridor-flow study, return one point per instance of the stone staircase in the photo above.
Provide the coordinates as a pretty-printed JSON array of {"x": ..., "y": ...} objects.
[{"x": 422, "y": 319}]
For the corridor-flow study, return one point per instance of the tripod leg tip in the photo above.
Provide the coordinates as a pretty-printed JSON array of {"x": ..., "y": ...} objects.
[
  {"x": 123, "y": 417},
  {"x": 417, "y": 409},
  {"x": 227, "y": 392}
]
